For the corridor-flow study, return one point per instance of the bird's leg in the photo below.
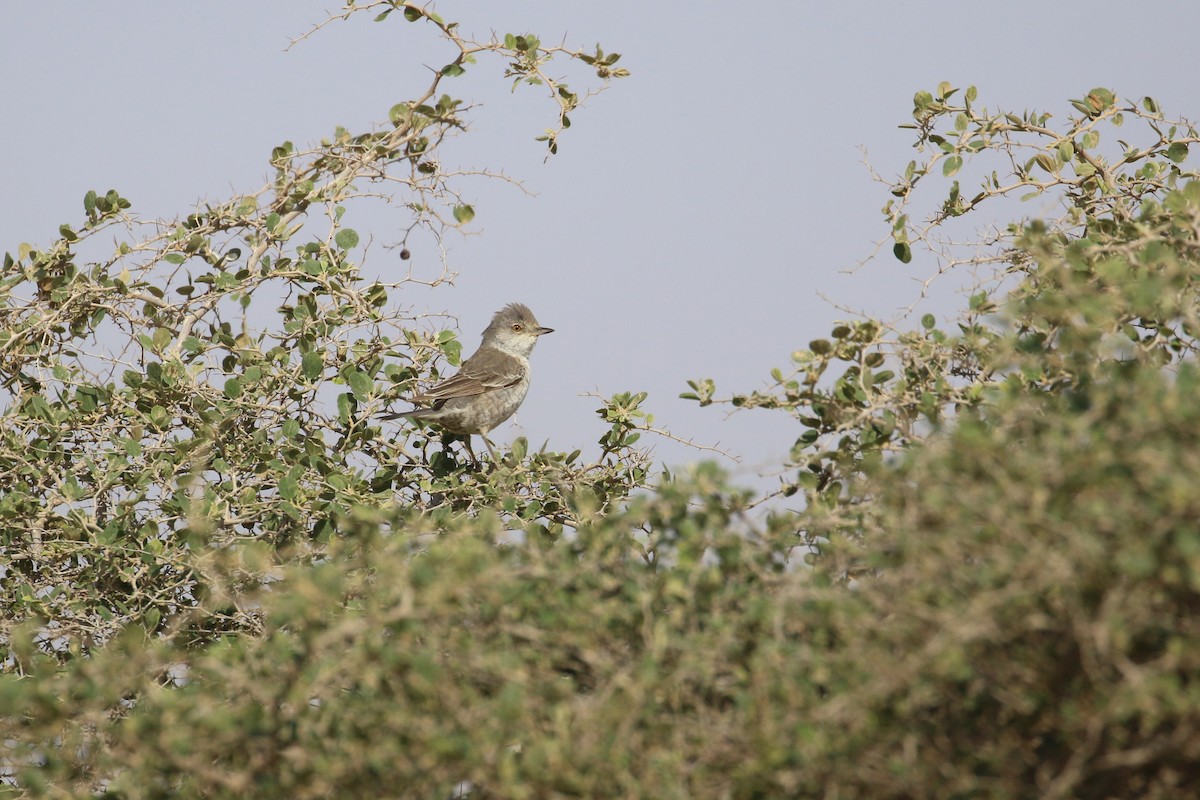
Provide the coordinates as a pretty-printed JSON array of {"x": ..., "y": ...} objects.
[
  {"x": 492, "y": 450},
  {"x": 474, "y": 459}
]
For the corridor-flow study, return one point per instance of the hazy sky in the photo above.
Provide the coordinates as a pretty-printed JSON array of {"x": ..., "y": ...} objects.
[{"x": 693, "y": 216}]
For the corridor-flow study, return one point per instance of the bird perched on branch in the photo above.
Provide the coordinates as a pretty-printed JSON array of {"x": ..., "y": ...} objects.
[{"x": 490, "y": 385}]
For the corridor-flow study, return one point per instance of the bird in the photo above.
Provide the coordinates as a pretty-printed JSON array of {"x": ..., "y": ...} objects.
[{"x": 489, "y": 386}]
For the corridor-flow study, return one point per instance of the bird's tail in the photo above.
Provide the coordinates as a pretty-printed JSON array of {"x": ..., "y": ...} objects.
[{"x": 416, "y": 413}]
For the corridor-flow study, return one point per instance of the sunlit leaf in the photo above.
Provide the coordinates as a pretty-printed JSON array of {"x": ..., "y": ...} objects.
[{"x": 311, "y": 364}]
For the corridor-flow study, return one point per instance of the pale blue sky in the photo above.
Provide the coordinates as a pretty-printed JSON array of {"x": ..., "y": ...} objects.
[{"x": 694, "y": 211}]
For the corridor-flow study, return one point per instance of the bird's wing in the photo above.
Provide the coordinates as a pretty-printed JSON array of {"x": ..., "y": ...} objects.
[{"x": 482, "y": 372}]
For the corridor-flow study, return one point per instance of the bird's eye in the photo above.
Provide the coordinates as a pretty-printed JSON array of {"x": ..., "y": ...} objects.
[{"x": 517, "y": 326}]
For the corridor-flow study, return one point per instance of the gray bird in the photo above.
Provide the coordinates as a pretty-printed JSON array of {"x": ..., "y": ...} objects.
[{"x": 490, "y": 385}]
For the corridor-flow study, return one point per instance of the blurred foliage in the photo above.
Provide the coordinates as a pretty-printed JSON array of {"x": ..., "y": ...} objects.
[{"x": 221, "y": 579}]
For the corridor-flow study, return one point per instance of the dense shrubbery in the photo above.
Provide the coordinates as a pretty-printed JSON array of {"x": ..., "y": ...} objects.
[
  {"x": 1018, "y": 640},
  {"x": 1001, "y": 523}
]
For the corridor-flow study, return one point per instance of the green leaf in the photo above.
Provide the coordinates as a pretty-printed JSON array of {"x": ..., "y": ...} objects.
[
  {"x": 346, "y": 238},
  {"x": 902, "y": 252},
  {"x": 952, "y": 165},
  {"x": 1099, "y": 100},
  {"x": 312, "y": 364},
  {"x": 928, "y": 321},
  {"x": 400, "y": 113},
  {"x": 71, "y": 489},
  {"x": 162, "y": 337},
  {"x": 233, "y": 388},
  {"x": 361, "y": 384},
  {"x": 412, "y": 14},
  {"x": 1177, "y": 152},
  {"x": 345, "y": 406},
  {"x": 175, "y": 258},
  {"x": 452, "y": 70},
  {"x": 464, "y": 214},
  {"x": 289, "y": 487},
  {"x": 453, "y": 351}
]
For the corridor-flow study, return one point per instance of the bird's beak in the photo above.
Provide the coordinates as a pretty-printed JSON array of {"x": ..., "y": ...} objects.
[{"x": 544, "y": 331}]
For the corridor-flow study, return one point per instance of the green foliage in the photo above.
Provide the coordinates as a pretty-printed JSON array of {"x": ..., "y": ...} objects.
[
  {"x": 222, "y": 579},
  {"x": 1032, "y": 632},
  {"x": 1111, "y": 279},
  {"x": 1012, "y": 643},
  {"x": 1073, "y": 160},
  {"x": 1010, "y": 497},
  {"x": 211, "y": 383},
  {"x": 539, "y": 666}
]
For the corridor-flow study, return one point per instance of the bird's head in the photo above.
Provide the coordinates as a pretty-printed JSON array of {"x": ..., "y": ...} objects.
[{"x": 514, "y": 330}]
